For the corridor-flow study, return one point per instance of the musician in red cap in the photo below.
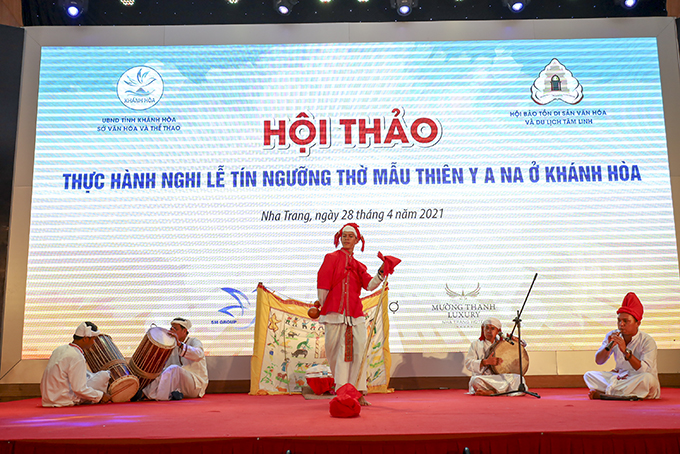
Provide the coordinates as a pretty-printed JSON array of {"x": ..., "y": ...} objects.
[
  {"x": 635, "y": 374},
  {"x": 339, "y": 283}
]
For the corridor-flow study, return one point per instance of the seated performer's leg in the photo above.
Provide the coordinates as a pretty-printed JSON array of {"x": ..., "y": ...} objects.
[
  {"x": 99, "y": 381},
  {"x": 187, "y": 384},
  {"x": 479, "y": 387},
  {"x": 643, "y": 386},
  {"x": 597, "y": 382},
  {"x": 485, "y": 385},
  {"x": 167, "y": 382}
]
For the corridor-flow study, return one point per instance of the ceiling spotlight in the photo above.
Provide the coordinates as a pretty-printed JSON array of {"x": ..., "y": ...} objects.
[
  {"x": 516, "y": 6},
  {"x": 128, "y": 2},
  {"x": 628, "y": 4},
  {"x": 232, "y": 2},
  {"x": 284, "y": 7},
  {"x": 73, "y": 8},
  {"x": 404, "y": 7}
]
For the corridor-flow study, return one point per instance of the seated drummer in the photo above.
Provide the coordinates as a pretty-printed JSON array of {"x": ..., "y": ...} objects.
[
  {"x": 186, "y": 370},
  {"x": 66, "y": 380},
  {"x": 484, "y": 382}
]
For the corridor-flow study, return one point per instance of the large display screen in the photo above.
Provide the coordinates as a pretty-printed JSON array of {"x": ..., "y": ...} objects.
[{"x": 169, "y": 181}]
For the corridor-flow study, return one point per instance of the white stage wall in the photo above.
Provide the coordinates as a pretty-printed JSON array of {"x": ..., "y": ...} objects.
[{"x": 160, "y": 171}]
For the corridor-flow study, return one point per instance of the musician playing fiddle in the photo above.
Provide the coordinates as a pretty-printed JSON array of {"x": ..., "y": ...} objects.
[
  {"x": 484, "y": 382},
  {"x": 635, "y": 373}
]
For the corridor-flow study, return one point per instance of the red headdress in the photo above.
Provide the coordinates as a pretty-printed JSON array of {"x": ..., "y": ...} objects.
[
  {"x": 353, "y": 226},
  {"x": 632, "y": 305}
]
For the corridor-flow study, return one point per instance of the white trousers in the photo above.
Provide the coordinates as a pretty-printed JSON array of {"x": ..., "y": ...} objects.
[
  {"x": 98, "y": 381},
  {"x": 500, "y": 383},
  {"x": 173, "y": 378},
  {"x": 343, "y": 371},
  {"x": 643, "y": 385}
]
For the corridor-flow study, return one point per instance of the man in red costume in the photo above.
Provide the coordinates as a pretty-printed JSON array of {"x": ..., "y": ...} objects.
[{"x": 339, "y": 283}]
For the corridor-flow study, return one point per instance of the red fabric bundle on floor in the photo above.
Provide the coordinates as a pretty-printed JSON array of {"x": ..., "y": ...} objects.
[
  {"x": 346, "y": 403},
  {"x": 321, "y": 385}
]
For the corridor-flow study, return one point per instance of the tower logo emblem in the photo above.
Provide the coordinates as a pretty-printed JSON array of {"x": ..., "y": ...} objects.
[{"x": 556, "y": 82}]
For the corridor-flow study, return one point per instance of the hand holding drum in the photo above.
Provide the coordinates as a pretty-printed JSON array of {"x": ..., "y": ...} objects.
[{"x": 314, "y": 312}]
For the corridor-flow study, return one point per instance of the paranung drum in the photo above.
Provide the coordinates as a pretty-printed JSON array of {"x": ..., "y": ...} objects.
[
  {"x": 104, "y": 355},
  {"x": 153, "y": 351},
  {"x": 510, "y": 355}
]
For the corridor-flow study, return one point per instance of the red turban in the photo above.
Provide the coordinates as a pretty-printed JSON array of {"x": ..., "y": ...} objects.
[
  {"x": 389, "y": 262},
  {"x": 346, "y": 403},
  {"x": 353, "y": 226},
  {"x": 632, "y": 305}
]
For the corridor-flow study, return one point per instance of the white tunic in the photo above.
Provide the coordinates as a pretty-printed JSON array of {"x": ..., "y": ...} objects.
[
  {"x": 66, "y": 380},
  {"x": 625, "y": 380},
  {"x": 186, "y": 370},
  {"x": 483, "y": 378}
]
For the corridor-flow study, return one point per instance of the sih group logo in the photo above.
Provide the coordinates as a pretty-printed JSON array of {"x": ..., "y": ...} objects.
[
  {"x": 140, "y": 88},
  {"x": 239, "y": 313}
]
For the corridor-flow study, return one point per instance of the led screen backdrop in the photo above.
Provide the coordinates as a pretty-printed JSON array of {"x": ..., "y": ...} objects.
[{"x": 170, "y": 181}]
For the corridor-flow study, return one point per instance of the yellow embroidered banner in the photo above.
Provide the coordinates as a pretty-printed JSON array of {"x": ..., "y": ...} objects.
[{"x": 288, "y": 342}]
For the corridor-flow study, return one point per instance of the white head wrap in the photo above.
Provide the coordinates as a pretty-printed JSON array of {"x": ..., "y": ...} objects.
[
  {"x": 85, "y": 330},
  {"x": 349, "y": 228},
  {"x": 182, "y": 322},
  {"x": 493, "y": 321}
]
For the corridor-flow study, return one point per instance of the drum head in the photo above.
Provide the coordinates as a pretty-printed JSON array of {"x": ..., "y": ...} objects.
[
  {"x": 161, "y": 337},
  {"x": 124, "y": 388},
  {"x": 510, "y": 355}
]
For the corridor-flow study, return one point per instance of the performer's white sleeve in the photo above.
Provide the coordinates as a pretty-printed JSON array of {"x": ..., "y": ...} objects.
[
  {"x": 192, "y": 349},
  {"x": 474, "y": 357},
  {"x": 322, "y": 294},
  {"x": 375, "y": 282}
]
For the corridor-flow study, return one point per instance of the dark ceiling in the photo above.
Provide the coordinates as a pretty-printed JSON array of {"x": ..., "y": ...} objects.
[{"x": 191, "y": 12}]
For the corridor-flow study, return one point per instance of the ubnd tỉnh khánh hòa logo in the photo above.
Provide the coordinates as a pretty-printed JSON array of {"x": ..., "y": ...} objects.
[{"x": 140, "y": 88}]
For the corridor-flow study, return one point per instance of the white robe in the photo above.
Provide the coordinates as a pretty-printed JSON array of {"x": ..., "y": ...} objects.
[
  {"x": 186, "y": 370},
  {"x": 483, "y": 379},
  {"x": 625, "y": 380},
  {"x": 66, "y": 380}
]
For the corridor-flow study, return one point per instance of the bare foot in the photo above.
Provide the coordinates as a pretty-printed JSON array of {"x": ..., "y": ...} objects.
[
  {"x": 594, "y": 394},
  {"x": 484, "y": 392},
  {"x": 363, "y": 402}
]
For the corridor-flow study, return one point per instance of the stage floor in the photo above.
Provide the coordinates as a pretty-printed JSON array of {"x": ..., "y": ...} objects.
[{"x": 433, "y": 421}]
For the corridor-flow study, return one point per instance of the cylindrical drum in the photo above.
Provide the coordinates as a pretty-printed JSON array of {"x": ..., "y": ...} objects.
[
  {"x": 104, "y": 355},
  {"x": 149, "y": 359}
]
